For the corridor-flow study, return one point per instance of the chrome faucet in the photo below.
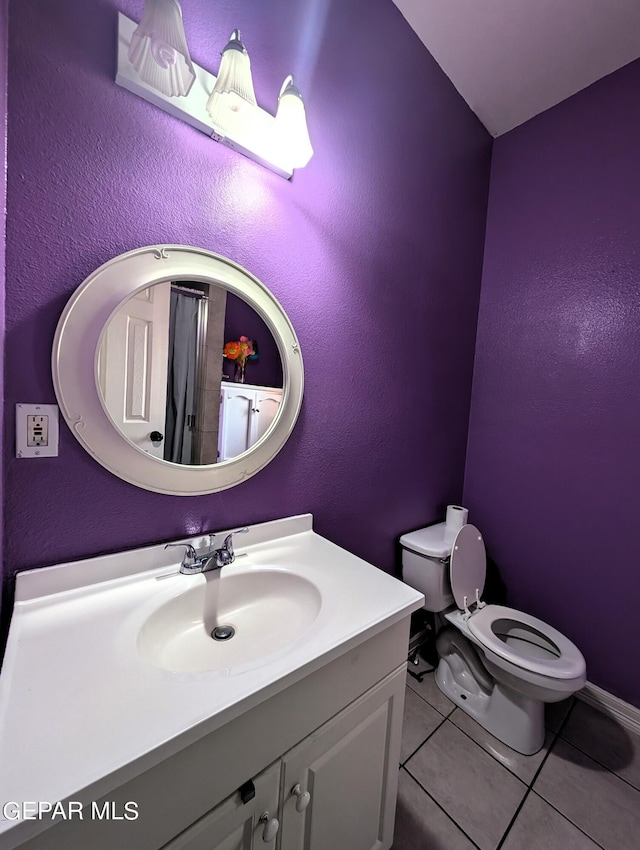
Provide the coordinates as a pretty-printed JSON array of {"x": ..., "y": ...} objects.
[{"x": 213, "y": 559}]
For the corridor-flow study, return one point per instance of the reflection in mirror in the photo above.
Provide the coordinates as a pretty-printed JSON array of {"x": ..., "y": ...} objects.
[{"x": 168, "y": 388}]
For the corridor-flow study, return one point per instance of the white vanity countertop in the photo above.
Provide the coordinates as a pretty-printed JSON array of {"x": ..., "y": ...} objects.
[{"x": 81, "y": 712}]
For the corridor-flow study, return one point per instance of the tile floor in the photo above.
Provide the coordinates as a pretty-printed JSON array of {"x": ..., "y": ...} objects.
[{"x": 462, "y": 789}]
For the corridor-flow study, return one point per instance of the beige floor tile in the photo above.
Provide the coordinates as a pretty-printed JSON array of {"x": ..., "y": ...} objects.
[
  {"x": 555, "y": 713},
  {"x": 524, "y": 767},
  {"x": 476, "y": 792},
  {"x": 603, "y": 806},
  {"x": 606, "y": 741},
  {"x": 420, "y": 720},
  {"x": 539, "y": 827},
  {"x": 421, "y": 824},
  {"x": 430, "y": 692}
]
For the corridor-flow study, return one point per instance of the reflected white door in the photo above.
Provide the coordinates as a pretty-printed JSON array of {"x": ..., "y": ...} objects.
[{"x": 132, "y": 367}]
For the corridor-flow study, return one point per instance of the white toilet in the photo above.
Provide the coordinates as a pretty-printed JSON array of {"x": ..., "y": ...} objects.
[{"x": 498, "y": 664}]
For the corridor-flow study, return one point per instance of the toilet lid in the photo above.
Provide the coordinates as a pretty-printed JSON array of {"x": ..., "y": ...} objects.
[{"x": 468, "y": 565}]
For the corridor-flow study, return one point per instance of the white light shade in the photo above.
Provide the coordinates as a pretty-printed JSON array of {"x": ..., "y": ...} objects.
[
  {"x": 233, "y": 95},
  {"x": 158, "y": 49},
  {"x": 292, "y": 135}
]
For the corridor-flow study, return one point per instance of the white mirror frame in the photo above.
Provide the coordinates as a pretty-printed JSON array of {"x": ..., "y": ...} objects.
[{"x": 74, "y": 362}]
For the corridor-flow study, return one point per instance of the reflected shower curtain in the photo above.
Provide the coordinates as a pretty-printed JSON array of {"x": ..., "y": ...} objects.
[{"x": 181, "y": 378}]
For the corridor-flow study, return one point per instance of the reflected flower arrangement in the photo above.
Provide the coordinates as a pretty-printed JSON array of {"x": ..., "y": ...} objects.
[{"x": 240, "y": 351}]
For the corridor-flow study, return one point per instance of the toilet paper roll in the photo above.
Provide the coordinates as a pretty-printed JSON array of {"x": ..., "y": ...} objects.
[{"x": 456, "y": 518}]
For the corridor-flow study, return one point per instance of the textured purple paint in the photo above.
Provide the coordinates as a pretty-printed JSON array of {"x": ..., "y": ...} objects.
[
  {"x": 4, "y": 14},
  {"x": 374, "y": 250},
  {"x": 553, "y": 456}
]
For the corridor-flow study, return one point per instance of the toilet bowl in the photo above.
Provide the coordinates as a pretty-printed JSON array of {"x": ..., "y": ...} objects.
[{"x": 497, "y": 664}]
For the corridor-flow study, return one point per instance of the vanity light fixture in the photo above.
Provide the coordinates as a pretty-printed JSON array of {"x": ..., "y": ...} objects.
[
  {"x": 158, "y": 49},
  {"x": 154, "y": 63},
  {"x": 233, "y": 92},
  {"x": 291, "y": 125}
]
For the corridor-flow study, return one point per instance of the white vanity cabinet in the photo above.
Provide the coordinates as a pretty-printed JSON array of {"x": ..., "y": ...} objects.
[
  {"x": 149, "y": 752},
  {"x": 335, "y": 733},
  {"x": 336, "y": 789},
  {"x": 246, "y": 412}
]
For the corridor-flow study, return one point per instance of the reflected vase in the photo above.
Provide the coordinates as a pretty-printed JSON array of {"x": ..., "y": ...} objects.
[{"x": 238, "y": 374}]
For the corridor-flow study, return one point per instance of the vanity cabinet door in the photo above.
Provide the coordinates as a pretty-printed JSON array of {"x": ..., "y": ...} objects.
[
  {"x": 234, "y": 825},
  {"x": 236, "y": 405},
  {"x": 349, "y": 769},
  {"x": 264, "y": 412}
]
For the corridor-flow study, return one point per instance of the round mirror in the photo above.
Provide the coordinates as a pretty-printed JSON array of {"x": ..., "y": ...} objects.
[{"x": 177, "y": 370}]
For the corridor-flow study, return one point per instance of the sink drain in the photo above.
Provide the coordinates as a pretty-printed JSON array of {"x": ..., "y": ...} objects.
[{"x": 223, "y": 633}]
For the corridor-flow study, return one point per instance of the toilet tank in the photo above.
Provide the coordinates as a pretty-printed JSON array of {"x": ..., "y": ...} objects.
[{"x": 423, "y": 568}]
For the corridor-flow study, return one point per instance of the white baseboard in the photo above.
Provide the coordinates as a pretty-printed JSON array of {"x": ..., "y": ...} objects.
[{"x": 625, "y": 714}]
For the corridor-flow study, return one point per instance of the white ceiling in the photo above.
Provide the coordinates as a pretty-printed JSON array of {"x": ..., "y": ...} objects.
[{"x": 512, "y": 59}]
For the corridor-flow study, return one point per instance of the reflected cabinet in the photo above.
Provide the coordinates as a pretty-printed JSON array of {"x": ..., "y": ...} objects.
[{"x": 246, "y": 412}]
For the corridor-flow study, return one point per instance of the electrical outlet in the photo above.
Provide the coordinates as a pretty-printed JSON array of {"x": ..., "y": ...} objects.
[{"x": 36, "y": 430}]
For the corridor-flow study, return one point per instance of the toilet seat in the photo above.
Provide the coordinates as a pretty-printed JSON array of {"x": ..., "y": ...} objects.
[
  {"x": 487, "y": 625},
  {"x": 534, "y": 645}
]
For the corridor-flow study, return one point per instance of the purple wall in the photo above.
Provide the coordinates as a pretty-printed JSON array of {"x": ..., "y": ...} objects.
[
  {"x": 4, "y": 13},
  {"x": 374, "y": 250},
  {"x": 554, "y": 450}
]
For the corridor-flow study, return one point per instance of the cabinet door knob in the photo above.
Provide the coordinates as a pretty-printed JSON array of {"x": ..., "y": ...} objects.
[
  {"x": 271, "y": 827},
  {"x": 156, "y": 437},
  {"x": 303, "y": 797}
]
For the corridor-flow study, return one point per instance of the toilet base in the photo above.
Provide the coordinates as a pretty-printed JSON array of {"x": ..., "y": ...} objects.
[{"x": 514, "y": 719}]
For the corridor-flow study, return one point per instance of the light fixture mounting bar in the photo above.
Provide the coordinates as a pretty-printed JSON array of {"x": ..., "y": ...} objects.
[{"x": 192, "y": 108}]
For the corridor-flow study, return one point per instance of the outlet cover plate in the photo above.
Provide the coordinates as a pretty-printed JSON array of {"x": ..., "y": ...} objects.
[{"x": 23, "y": 412}]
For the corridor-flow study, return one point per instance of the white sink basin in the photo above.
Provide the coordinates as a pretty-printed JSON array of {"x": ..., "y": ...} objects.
[{"x": 266, "y": 608}]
